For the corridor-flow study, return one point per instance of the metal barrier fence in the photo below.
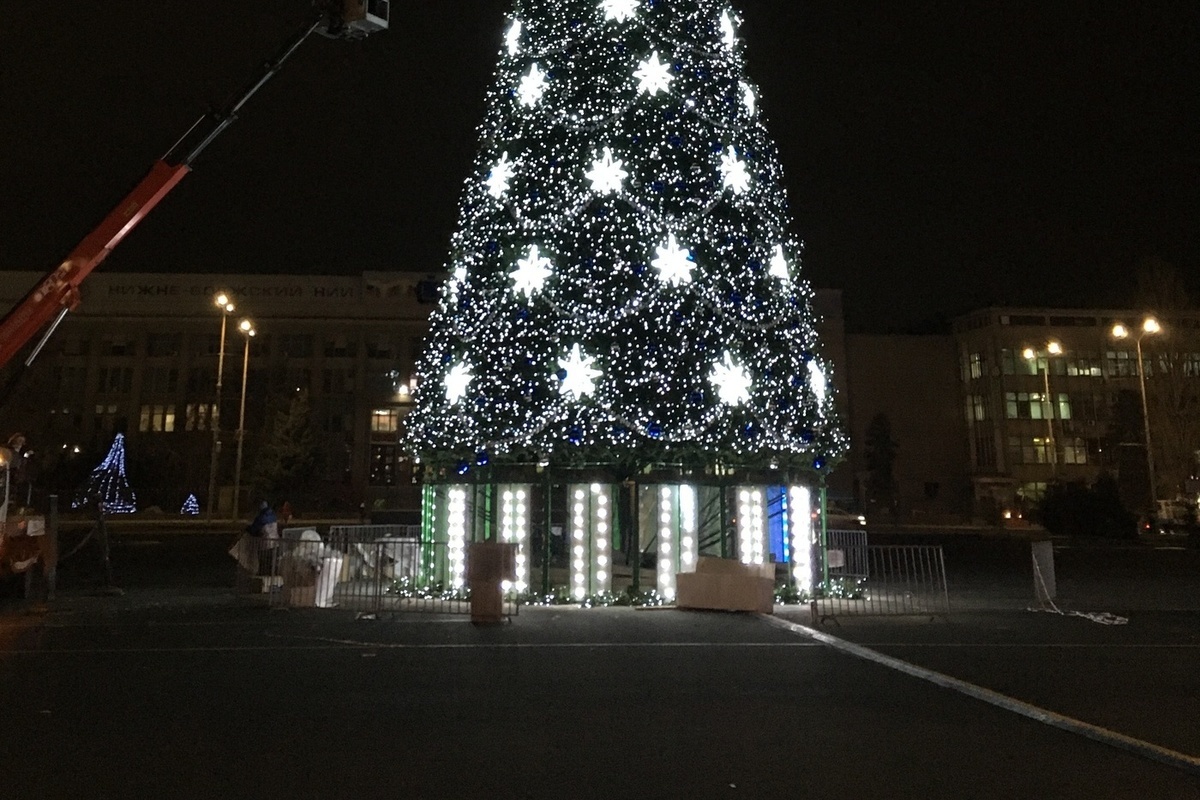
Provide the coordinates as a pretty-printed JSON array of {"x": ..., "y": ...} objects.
[
  {"x": 847, "y": 554},
  {"x": 368, "y": 568},
  {"x": 900, "y": 580}
]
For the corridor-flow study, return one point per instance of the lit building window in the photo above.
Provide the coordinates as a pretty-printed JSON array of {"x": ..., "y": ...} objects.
[
  {"x": 385, "y": 420},
  {"x": 157, "y": 419}
]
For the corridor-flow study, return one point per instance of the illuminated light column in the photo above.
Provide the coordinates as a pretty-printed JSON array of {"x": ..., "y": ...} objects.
[
  {"x": 666, "y": 538},
  {"x": 456, "y": 531},
  {"x": 514, "y": 529},
  {"x": 601, "y": 539},
  {"x": 752, "y": 530},
  {"x": 591, "y": 539},
  {"x": 801, "y": 529},
  {"x": 429, "y": 534},
  {"x": 677, "y": 514},
  {"x": 688, "y": 517}
]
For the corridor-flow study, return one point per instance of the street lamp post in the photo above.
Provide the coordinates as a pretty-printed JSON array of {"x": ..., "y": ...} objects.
[
  {"x": 1052, "y": 349},
  {"x": 222, "y": 302},
  {"x": 1149, "y": 326},
  {"x": 247, "y": 329}
]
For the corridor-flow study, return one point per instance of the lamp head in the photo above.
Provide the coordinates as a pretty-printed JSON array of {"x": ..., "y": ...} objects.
[
  {"x": 1029, "y": 353},
  {"x": 1119, "y": 331},
  {"x": 1054, "y": 348},
  {"x": 246, "y": 327},
  {"x": 223, "y": 302},
  {"x": 1150, "y": 325}
]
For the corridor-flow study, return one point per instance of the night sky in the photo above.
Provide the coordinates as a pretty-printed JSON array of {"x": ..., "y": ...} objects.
[{"x": 939, "y": 156}]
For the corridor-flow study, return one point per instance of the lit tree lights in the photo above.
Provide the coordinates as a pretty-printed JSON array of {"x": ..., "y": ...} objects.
[
  {"x": 625, "y": 288},
  {"x": 108, "y": 484}
]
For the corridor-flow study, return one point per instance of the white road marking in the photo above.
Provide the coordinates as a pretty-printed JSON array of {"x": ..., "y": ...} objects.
[{"x": 1094, "y": 732}]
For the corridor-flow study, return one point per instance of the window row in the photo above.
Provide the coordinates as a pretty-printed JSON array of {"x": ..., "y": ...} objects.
[
  {"x": 288, "y": 345},
  {"x": 1110, "y": 363},
  {"x": 1087, "y": 407}
]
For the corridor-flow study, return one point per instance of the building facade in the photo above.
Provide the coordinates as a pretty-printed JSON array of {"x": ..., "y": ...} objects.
[
  {"x": 141, "y": 355},
  {"x": 1052, "y": 394}
]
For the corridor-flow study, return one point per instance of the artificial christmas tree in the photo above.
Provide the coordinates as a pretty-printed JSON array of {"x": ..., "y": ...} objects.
[
  {"x": 624, "y": 297},
  {"x": 108, "y": 484},
  {"x": 190, "y": 507}
]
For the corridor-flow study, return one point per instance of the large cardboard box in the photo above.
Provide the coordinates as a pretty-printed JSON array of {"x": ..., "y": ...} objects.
[
  {"x": 722, "y": 584},
  {"x": 491, "y": 562}
]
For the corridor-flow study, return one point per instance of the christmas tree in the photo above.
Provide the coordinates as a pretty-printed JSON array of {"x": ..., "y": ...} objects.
[
  {"x": 624, "y": 293},
  {"x": 624, "y": 287},
  {"x": 190, "y": 507},
  {"x": 108, "y": 484}
]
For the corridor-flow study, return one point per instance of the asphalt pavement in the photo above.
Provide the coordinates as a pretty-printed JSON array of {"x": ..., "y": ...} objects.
[{"x": 180, "y": 689}]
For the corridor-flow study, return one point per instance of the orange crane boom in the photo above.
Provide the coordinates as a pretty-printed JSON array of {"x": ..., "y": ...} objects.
[{"x": 58, "y": 292}]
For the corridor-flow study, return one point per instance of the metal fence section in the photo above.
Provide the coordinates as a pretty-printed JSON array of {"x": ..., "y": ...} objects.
[
  {"x": 368, "y": 568},
  {"x": 846, "y": 554},
  {"x": 900, "y": 580}
]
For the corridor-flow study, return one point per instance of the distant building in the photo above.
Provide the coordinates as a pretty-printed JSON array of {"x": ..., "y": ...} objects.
[
  {"x": 976, "y": 435},
  {"x": 1038, "y": 416},
  {"x": 140, "y": 357}
]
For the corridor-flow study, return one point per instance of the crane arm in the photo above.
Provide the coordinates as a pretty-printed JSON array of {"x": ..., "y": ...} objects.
[{"x": 58, "y": 292}]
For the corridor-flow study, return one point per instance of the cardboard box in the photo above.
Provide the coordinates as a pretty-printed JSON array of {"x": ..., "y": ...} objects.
[
  {"x": 722, "y": 584},
  {"x": 300, "y": 596},
  {"x": 489, "y": 562}
]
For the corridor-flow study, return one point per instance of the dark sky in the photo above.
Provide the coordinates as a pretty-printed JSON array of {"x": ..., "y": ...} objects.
[{"x": 940, "y": 155}]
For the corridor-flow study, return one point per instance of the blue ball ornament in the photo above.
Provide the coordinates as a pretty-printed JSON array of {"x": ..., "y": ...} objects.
[
  {"x": 654, "y": 430},
  {"x": 575, "y": 435},
  {"x": 818, "y": 463},
  {"x": 482, "y": 458},
  {"x": 463, "y": 468}
]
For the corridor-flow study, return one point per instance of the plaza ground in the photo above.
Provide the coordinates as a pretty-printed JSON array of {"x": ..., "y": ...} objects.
[{"x": 181, "y": 689}]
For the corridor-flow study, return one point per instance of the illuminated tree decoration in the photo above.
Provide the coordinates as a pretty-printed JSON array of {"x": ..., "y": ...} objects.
[
  {"x": 748, "y": 99},
  {"x": 499, "y": 177},
  {"x": 779, "y": 264},
  {"x": 190, "y": 507},
  {"x": 607, "y": 174},
  {"x": 674, "y": 263},
  {"x": 580, "y": 378},
  {"x": 619, "y": 10},
  {"x": 654, "y": 76},
  {"x": 731, "y": 380},
  {"x": 531, "y": 273},
  {"x": 512, "y": 39},
  {"x": 622, "y": 286},
  {"x": 733, "y": 173},
  {"x": 457, "y": 380},
  {"x": 728, "y": 30},
  {"x": 532, "y": 86},
  {"x": 108, "y": 483}
]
